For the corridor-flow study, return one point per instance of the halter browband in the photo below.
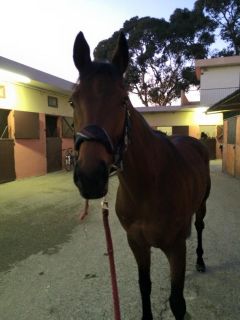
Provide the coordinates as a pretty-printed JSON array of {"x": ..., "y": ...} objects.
[{"x": 93, "y": 132}]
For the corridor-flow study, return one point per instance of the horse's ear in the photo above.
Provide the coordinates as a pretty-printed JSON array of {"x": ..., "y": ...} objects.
[
  {"x": 81, "y": 52},
  {"x": 121, "y": 56}
]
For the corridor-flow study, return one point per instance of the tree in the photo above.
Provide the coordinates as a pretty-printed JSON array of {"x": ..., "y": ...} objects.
[
  {"x": 226, "y": 16},
  {"x": 193, "y": 33},
  {"x": 161, "y": 57}
]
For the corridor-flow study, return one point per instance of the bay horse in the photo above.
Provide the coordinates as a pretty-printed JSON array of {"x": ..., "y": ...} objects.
[{"x": 162, "y": 181}]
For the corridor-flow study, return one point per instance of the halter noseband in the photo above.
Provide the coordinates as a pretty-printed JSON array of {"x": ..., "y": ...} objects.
[{"x": 93, "y": 132}]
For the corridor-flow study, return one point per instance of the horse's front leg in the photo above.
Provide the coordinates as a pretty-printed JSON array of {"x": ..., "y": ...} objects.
[
  {"x": 177, "y": 260},
  {"x": 141, "y": 253}
]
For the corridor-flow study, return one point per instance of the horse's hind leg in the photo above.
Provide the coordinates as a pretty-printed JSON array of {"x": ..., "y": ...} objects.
[
  {"x": 141, "y": 253},
  {"x": 199, "y": 224},
  {"x": 177, "y": 260}
]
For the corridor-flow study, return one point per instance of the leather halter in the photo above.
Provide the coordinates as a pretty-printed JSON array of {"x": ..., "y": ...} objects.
[{"x": 93, "y": 132}]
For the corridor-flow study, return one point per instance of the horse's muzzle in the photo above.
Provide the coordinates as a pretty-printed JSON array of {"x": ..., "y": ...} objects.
[{"x": 92, "y": 183}]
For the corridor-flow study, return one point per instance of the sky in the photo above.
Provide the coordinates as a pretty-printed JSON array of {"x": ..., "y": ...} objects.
[{"x": 41, "y": 33}]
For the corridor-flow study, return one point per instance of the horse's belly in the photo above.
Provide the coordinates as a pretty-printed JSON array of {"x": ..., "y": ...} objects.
[
  {"x": 159, "y": 237},
  {"x": 160, "y": 233},
  {"x": 160, "y": 226}
]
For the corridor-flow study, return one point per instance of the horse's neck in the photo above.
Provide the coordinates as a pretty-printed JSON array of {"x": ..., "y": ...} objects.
[
  {"x": 140, "y": 136},
  {"x": 139, "y": 157}
]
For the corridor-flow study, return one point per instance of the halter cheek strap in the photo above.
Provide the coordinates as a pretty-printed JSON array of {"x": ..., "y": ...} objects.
[{"x": 95, "y": 133}]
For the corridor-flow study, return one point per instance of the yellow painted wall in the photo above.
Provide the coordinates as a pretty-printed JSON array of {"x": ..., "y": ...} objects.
[
  {"x": 183, "y": 118},
  {"x": 27, "y": 98},
  {"x": 196, "y": 120}
]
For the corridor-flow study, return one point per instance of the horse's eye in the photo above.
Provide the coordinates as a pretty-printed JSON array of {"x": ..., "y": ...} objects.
[{"x": 71, "y": 103}]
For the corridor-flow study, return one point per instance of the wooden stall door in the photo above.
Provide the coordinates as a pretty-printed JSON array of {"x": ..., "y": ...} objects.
[
  {"x": 180, "y": 130},
  {"x": 237, "y": 150},
  {"x": 7, "y": 165},
  {"x": 54, "y": 154},
  {"x": 231, "y": 146}
]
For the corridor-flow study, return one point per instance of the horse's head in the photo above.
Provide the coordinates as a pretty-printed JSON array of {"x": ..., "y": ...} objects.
[{"x": 99, "y": 103}]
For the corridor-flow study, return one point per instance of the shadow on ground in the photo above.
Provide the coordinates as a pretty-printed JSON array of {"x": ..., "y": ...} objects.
[{"x": 37, "y": 215}]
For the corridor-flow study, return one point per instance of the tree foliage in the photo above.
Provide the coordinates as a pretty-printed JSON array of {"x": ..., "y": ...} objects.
[
  {"x": 225, "y": 14},
  {"x": 162, "y": 54}
]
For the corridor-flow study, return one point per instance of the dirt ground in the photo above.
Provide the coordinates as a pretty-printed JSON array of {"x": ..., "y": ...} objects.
[{"x": 54, "y": 267}]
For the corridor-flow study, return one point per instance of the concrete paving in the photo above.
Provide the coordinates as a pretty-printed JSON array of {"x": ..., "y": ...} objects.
[{"x": 54, "y": 267}]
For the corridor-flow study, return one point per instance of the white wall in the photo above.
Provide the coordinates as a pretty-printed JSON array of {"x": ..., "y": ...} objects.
[{"x": 217, "y": 83}]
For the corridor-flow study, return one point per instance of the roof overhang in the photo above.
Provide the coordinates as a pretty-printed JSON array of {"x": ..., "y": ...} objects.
[
  {"x": 39, "y": 79},
  {"x": 169, "y": 109},
  {"x": 202, "y": 64},
  {"x": 229, "y": 103}
]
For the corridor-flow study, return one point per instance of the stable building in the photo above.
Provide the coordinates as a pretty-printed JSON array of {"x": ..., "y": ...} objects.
[
  {"x": 220, "y": 92},
  {"x": 189, "y": 119},
  {"x": 36, "y": 121},
  {"x": 230, "y": 107}
]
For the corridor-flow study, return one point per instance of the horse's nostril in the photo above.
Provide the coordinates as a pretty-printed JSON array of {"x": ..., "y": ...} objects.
[{"x": 93, "y": 182}]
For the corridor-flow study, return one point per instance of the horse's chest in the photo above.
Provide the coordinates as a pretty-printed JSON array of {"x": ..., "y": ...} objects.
[{"x": 157, "y": 228}]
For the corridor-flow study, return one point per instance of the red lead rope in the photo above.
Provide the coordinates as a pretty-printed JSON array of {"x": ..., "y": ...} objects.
[{"x": 105, "y": 210}]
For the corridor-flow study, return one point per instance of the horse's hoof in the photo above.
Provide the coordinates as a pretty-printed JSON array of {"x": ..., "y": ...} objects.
[
  {"x": 201, "y": 267},
  {"x": 187, "y": 316}
]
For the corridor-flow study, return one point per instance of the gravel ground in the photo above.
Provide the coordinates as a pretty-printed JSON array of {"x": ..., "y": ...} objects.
[{"x": 54, "y": 267}]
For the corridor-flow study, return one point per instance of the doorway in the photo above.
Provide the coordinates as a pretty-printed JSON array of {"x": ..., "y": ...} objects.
[
  {"x": 53, "y": 144},
  {"x": 7, "y": 162}
]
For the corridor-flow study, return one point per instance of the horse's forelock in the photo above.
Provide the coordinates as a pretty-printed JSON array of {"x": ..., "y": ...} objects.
[{"x": 100, "y": 68}]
